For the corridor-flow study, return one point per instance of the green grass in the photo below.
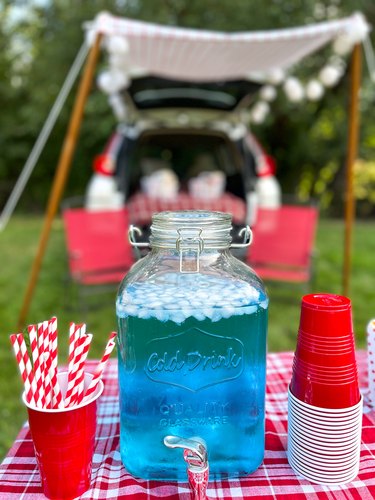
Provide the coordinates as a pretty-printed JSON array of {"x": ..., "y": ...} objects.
[{"x": 18, "y": 244}]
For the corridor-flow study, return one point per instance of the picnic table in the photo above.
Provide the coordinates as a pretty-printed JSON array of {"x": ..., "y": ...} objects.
[
  {"x": 141, "y": 207},
  {"x": 19, "y": 476}
]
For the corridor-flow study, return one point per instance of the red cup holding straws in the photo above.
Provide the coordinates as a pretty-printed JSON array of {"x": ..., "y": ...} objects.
[
  {"x": 61, "y": 406},
  {"x": 64, "y": 441}
]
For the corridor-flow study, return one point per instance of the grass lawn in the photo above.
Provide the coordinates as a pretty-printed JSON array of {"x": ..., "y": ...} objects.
[{"x": 18, "y": 247}]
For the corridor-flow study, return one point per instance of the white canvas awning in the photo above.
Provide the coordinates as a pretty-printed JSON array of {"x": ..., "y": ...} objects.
[{"x": 199, "y": 55}]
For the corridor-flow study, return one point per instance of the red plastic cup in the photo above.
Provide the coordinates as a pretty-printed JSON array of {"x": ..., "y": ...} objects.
[
  {"x": 326, "y": 315},
  {"x": 64, "y": 444},
  {"x": 318, "y": 346},
  {"x": 339, "y": 361},
  {"x": 320, "y": 373},
  {"x": 325, "y": 395}
]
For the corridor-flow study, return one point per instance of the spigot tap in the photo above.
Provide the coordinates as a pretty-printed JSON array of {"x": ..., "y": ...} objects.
[{"x": 195, "y": 455}]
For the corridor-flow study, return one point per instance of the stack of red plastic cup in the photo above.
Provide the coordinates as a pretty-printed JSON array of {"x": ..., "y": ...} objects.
[{"x": 324, "y": 402}]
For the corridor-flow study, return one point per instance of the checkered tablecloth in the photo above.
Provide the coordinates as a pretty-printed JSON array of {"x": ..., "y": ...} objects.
[
  {"x": 19, "y": 477},
  {"x": 141, "y": 207}
]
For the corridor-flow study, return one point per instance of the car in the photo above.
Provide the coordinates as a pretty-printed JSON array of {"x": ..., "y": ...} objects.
[{"x": 182, "y": 145}]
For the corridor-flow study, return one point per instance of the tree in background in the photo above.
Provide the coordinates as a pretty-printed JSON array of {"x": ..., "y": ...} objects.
[{"x": 39, "y": 41}]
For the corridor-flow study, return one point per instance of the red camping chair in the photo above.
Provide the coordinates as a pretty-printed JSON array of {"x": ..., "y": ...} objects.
[
  {"x": 99, "y": 252},
  {"x": 283, "y": 243}
]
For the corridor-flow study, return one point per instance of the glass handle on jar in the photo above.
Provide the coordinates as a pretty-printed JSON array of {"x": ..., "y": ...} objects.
[
  {"x": 247, "y": 239},
  {"x": 195, "y": 455}
]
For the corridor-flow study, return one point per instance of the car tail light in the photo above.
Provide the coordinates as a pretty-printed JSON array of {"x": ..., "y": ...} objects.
[
  {"x": 104, "y": 164},
  {"x": 268, "y": 166}
]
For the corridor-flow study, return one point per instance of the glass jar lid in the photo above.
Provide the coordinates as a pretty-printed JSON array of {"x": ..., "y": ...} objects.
[{"x": 191, "y": 227}]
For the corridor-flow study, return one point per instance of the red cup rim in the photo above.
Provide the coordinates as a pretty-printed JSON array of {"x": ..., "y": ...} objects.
[
  {"x": 323, "y": 352},
  {"x": 311, "y": 414},
  {"x": 328, "y": 435},
  {"x": 339, "y": 339},
  {"x": 317, "y": 379},
  {"x": 322, "y": 428},
  {"x": 319, "y": 339},
  {"x": 322, "y": 464},
  {"x": 344, "y": 471},
  {"x": 326, "y": 302},
  {"x": 325, "y": 339},
  {"x": 95, "y": 396},
  {"x": 319, "y": 376},
  {"x": 325, "y": 371},
  {"x": 340, "y": 368},
  {"x": 315, "y": 427},
  {"x": 329, "y": 350},
  {"x": 316, "y": 479},
  {"x": 326, "y": 410},
  {"x": 333, "y": 465},
  {"x": 325, "y": 438},
  {"x": 338, "y": 472},
  {"x": 346, "y": 460}
]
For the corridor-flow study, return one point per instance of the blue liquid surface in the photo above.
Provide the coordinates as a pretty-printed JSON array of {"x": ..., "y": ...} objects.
[{"x": 193, "y": 377}]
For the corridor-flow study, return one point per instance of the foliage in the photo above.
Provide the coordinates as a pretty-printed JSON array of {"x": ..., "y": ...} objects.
[
  {"x": 38, "y": 43},
  {"x": 364, "y": 185}
]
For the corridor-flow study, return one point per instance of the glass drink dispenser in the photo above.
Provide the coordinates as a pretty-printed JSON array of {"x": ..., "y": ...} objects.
[{"x": 192, "y": 323}]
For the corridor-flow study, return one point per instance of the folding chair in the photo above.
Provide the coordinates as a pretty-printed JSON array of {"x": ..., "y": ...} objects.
[
  {"x": 283, "y": 243},
  {"x": 99, "y": 252}
]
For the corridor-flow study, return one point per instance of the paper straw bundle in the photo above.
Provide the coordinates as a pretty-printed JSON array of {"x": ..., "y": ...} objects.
[
  {"x": 371, "y": 361},
  {"x": 38, "y": 364}
]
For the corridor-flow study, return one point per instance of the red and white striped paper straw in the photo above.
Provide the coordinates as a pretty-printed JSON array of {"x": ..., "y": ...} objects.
[
  {"x": 100, "y": 367},
  {"x": 77, "y": 393},
  {"x": 48, "y": 391},
  {"x": 24, "y": 365},
  {"x": 52, "y": 333},
  {"x": 57, "y": 399},
  {"x": 74, "y": 334},
  {"x": 38, "y": 375},
  {"x": 43, "y": 345},
  {"x": 79, "y": 347}
]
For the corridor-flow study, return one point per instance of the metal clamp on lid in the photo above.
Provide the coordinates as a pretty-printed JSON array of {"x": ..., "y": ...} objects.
[
  {"x": 190, "y": 247},
  {"x": 131, "y": 236},
  {"x": 247, "y": 239}
]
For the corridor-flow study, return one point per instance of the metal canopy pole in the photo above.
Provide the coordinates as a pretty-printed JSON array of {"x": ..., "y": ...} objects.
[
  {"x": 352, "y": 149},
  {"x": 62, "y": 171}
]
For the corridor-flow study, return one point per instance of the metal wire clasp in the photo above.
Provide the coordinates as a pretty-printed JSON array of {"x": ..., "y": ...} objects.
[
  {"x": 131, "y": 236},
  {"x": 247, "y": 239},
  {"x": 189, "y": 247}
]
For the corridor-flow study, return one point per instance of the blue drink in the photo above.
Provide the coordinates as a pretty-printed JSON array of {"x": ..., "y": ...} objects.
[{"x": 192, "y": 363}]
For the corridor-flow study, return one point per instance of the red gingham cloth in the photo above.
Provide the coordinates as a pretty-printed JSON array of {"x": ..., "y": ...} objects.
[
  {"x": 141, "y": 207},
  {"x": 19, "y": 477}
]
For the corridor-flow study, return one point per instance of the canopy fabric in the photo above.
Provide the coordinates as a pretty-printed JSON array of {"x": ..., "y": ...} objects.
[{"x": 199, "y": 55}]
